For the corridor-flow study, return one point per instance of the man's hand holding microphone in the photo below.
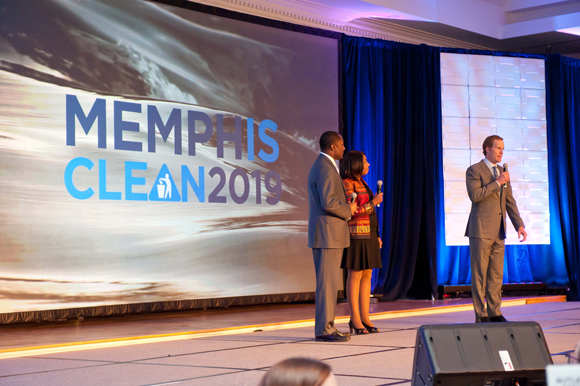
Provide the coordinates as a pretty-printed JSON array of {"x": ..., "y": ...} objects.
[{"x": 504, "y": 177}]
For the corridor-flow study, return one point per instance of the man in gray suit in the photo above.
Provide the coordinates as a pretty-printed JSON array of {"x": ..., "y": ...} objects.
[
  {"x": 328, "y": 232},
  {"x": 491, "y": 197}
]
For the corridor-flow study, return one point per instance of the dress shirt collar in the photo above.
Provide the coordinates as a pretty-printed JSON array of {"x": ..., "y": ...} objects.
[
  {"x": 333, "y": 161},
  {"x": 490, "y": 165}
]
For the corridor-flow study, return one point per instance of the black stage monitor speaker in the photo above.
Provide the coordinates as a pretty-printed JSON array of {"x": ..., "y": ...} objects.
[{"x": 483, "y": 354}]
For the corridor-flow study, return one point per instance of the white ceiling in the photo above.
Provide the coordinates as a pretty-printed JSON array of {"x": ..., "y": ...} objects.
[
  {"x": 493, "y": 18},
  {"x": 512, "y": 25}
]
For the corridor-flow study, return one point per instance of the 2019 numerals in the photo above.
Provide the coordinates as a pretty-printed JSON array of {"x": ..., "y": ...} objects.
[{"x": 240, "y": 196}]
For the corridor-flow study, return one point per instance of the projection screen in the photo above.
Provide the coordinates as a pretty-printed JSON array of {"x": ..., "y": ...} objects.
[{"x": 152, "y": 153}]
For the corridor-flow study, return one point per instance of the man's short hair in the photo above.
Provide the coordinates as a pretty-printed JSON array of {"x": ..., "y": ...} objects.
[
  {"x": 328, "y": 139},
  {"x": 489, "y": 142}
]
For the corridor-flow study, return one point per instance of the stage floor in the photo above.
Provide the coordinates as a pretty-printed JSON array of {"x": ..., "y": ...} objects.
[{"x": 236, "y": 346}]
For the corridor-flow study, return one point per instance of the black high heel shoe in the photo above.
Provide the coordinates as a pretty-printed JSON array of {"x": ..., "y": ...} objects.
[
  {"x": 357, "y": 331},
  {"x": 371, "y": 330}
]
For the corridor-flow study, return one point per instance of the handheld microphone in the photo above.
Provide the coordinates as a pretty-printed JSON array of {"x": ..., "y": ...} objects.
[
  {"x": 505, "y": 166},
  {"x": 353, "y": 197},
  {"x": 379, "y": 187}
]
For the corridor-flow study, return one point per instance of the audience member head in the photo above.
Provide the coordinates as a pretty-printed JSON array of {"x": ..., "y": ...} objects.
[
  {"x": 353, "y": 165},
  {"x": 299, "y": 372}
]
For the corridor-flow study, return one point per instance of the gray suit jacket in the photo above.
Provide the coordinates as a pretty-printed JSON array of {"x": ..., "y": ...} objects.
[
  {"x": 489, "y": 204},
  {"x": 328, "y": 209}
]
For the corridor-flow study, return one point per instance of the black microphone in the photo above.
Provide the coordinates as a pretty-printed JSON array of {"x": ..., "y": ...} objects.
[
  {"x": 379, "y": 187},
  {"x": 505, "y": 170},
  {"x": 353, "y": 197}
]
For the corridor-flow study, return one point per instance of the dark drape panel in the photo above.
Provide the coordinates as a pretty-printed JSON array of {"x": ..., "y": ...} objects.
[
  {"x": 392, "y": 112},
  {"x": 563, "y": 115}
]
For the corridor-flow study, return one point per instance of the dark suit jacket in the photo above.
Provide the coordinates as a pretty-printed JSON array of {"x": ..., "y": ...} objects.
[
  {"x": 328, "y": 209},
  {"x": 487, "y": 218}
]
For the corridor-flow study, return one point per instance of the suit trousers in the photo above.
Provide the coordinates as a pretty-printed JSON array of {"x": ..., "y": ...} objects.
[
  {"x": 328, "y": 281},
  {"x": 486, "y": 256}
]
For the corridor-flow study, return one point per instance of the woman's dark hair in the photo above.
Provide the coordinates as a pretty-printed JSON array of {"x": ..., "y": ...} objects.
[
  {"x": 352, "y": 165},
  {"x": 296, "y": 372}
]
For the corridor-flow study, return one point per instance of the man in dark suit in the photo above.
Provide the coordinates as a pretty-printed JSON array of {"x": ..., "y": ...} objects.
[
  {"x": 328, "y": 233},
  {"x": 491, "y": 197}
]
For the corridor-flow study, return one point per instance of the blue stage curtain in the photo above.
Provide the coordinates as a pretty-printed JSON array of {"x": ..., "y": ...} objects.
[
  {"x": 392, "y": 112},
  {"x": 391, "y": 96},
  {"x": 563, "y": 115}
]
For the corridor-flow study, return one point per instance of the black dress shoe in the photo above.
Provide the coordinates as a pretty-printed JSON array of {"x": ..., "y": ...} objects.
[
  {"x": 334, "y": 337},
  {"x": 484, "y": 319},
  {"x": 498, "y": 318}
]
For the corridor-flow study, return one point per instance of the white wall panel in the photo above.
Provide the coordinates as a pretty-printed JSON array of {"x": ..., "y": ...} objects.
[
  {"x": 453, "y": 80},
  {"x": 533, "y": 77},
  {"x": 445, "y": 57},
  {"x": 490, "y": 67},
  {"x": 455, "y": 104},
  {"x": 505, "y": 60},
  {"x": 536, "y": 146},
  {"x": 532, "y": 84},
  {"x": 481, "y": 90},
  {"x": 482, "y": 113},
  {"x": 452, "y": 144},
  {"x": 531, "y": 124},
  {"x": 456, "y": 112},
  {"x": 459, "y": 73},
  {"x": 509, "y": 114},
  {"x": 482, "y": 98},
  {"x": 508, "y": 83},
  {"x": 481, "y": 82},
  {"x": 456, "y": 136},
  {"x": 533, "y": 101},
  {"x": 533, "y": 93},
  {"x": 479, "y": 122},
  {"x": 532, "y": 62},
  {"x": 512, "y": 100},
  {"x": 455, "y": 121},
  {"x": 489, "y": 74},
  {"x": 456, "y": 97},
  {"x": 457, "y": 154},
  {"x": 509, "y": 132},
  {"x": 509, "y": 123},
  {"x": 485, "y": 95},
  {"x": 454, "y": 65},
  {"x": 506, "y": 92},
  {"x": 507, "y": 68},
  {"x": 455, "y": 129},
  {"x": 481, "y": 105},
  {"x": 479, "y": 58},
  {"x": 454, "y": 89}
]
